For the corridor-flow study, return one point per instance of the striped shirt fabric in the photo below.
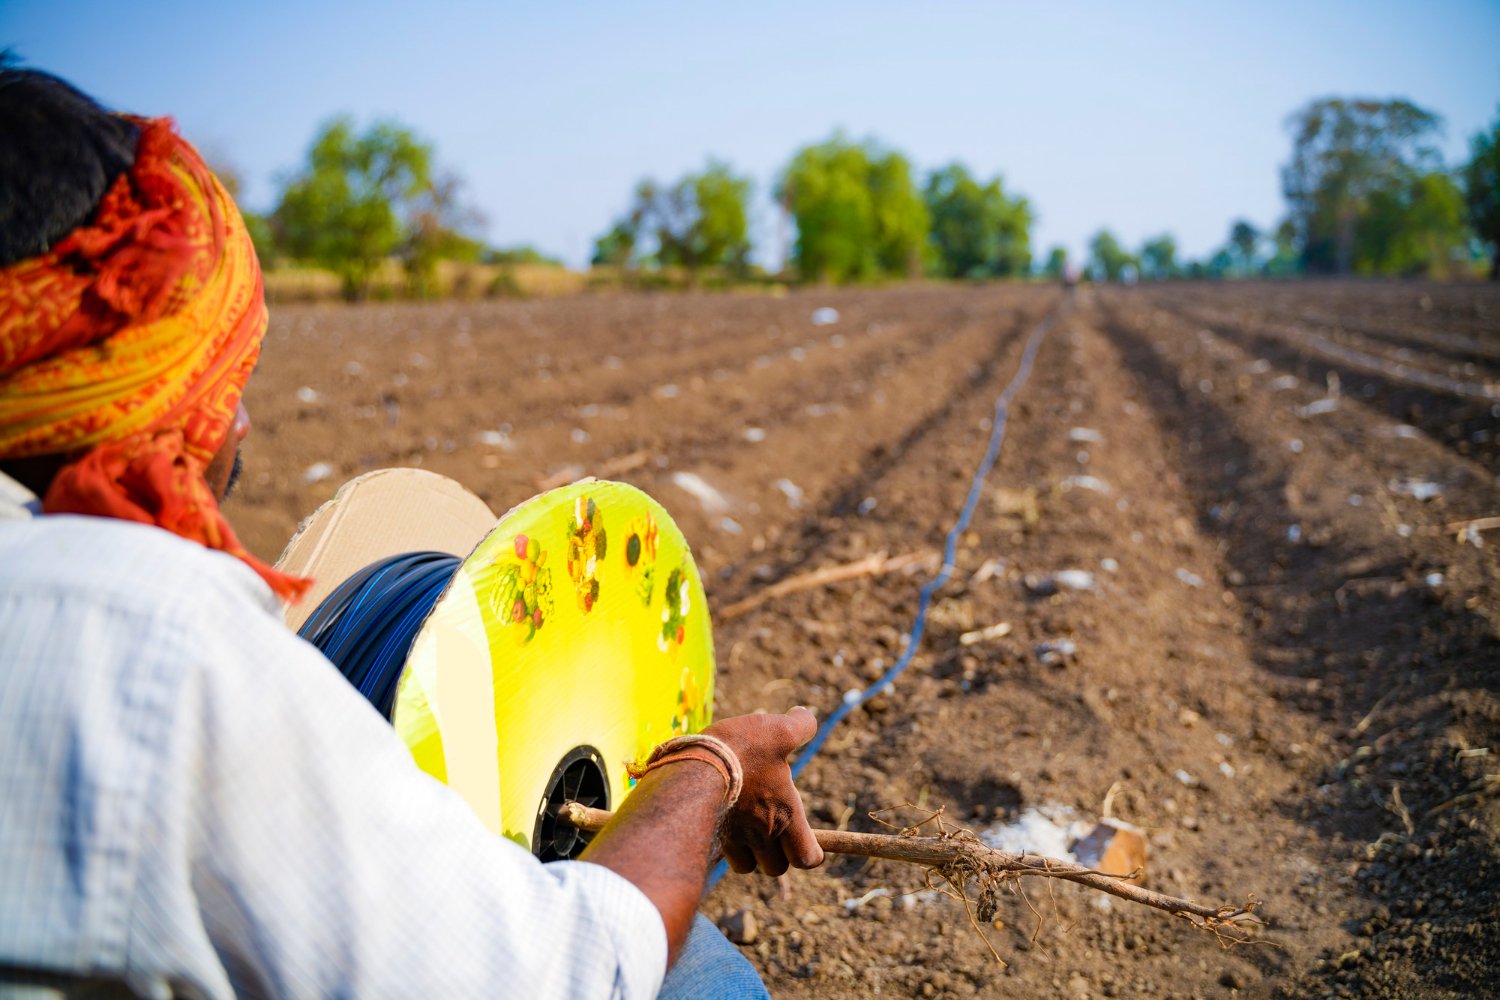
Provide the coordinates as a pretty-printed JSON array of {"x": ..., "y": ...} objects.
[{"x": 194, "y": 803}]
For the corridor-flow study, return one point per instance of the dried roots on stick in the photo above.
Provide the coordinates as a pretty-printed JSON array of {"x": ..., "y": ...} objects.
[{"x": 961, "y": 860}]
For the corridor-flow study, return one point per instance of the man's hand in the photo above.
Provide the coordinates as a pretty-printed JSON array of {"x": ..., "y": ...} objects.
[
  {"x": 662, "y": 837},
  {"x": 767, "y": 827}
]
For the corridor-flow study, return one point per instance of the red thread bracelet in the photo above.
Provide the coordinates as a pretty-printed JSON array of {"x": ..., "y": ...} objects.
[{"x": 707, "y": 749}]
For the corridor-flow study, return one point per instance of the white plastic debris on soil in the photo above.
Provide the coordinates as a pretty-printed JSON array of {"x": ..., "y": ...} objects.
[
  {"x": 826, "y": 316},
  {"x": 1318, "y": 407},
  {"x": 999, "y": 630},
  {"x": 1417, "y": 489},
  {"x": 1049, "y": 830},
  {"x": 791, "y": 491},
  {"x": 1056, "y": 652},
  {"x": 856, "y": 902},
  {"x": 495, "y": 439},
  {"x": 754, "y": 435},
  {"x": 712, "y": 501},
  {"x": 1092, "y": 483},
  {"x": 1085, "y": 435},
  {"x": 1074, "y": 579},
  {"x": 317, "y": 472}
]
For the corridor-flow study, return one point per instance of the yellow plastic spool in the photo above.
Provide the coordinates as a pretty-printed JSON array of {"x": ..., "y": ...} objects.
[{"x": 574, "y": 638}]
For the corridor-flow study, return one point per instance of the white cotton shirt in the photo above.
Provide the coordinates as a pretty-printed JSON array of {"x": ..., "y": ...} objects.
[{"x": 193, "y": 802}]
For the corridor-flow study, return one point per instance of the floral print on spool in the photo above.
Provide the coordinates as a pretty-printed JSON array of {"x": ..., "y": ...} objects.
[
  {"x": 674, "y": 613},
  {"x": 587, "y": 545},
  {"x": 639, "y": 554},
  {"x": 522, "y": 595}
]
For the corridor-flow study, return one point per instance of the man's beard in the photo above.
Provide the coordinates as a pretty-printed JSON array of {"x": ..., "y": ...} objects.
[{"x": 234, "y": 474}]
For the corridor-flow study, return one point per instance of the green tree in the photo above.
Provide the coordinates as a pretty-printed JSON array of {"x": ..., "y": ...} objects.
[
  {"x": 436, "y": 220},
  {"x": 1415, "y": 230},
  {"x": 858, "y": 212},
  {"x": 700, "y": 221},
  {"x": 1482, "y": 192},
  {"x": 1159, "y": 258},
  {"x": 347, "y": 210},
  {"x": 826, "y": 188},
  {"x": 523, "y": 254},
  {"x": 617, "y": 246},
  {"x": 1343, "y": 152},
  {"x": 1057, "y": 263},
  {"x": 901, "y": 220},
  {"x": 1107, "y": 258},
  {"x": 262, "y": 236},
  {"x": 1221, "y": 264},
  {"x": 1285, "y": 261},
  {"x": 1244, "y": 238},
  {"x": 977, "y": 232}
]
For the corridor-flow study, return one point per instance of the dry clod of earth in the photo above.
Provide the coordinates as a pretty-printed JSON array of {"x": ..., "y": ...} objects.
[{"x": 1276, "y": 612}]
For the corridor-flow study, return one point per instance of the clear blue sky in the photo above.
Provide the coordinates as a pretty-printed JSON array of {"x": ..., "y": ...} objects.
[{"x": 1140, "y": 117}]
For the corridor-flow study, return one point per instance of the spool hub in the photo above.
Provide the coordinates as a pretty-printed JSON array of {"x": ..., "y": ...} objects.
[{"x": 579, "y": 777}]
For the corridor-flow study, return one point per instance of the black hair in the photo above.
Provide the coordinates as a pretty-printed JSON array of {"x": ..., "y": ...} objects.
[{"x": 59, "y": 153}]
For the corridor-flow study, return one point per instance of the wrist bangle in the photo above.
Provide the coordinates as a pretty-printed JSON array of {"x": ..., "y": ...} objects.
[{"x": 708, "y": 749}]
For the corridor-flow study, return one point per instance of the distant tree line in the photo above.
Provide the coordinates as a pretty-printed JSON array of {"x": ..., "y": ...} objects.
[
  {"x": 700, "y": 221},
  {"x": 364, "y": 198},
  {"x": 1367, "y": 194},
  {"x": 859, "y": 212}
]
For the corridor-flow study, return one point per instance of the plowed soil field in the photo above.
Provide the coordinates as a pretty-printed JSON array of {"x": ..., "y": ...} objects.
[{"x": 1279, "y": 656}]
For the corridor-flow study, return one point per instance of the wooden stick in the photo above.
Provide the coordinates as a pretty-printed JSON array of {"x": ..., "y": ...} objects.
[
  {"x": 1478, "y": 524},
  {"x": 961, "y": 854},
  {"x": 573, "y": 472},
  {"x": 874, "y": 565},
  {"x": 624, "y": 463}
]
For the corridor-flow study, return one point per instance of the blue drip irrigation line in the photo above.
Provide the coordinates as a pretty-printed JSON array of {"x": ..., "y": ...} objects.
[
  {"x": 367, "y": 625},
  {"x": 855, "y": 699}
]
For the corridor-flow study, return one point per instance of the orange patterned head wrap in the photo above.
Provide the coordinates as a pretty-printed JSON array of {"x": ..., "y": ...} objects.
[{"x": 128, "y": 344}]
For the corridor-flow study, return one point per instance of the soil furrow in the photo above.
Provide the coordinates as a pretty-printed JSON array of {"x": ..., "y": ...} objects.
[
  {"x": 1353, "y": 646},
  {"x": 1466, "y": 425}
]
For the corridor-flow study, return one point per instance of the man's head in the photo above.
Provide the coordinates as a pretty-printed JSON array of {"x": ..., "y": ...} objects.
[
  {"x": 61, "y": 153},
  {"x": 131, "y": 315}
]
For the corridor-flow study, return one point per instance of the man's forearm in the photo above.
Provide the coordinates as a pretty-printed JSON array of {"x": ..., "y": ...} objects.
[{"x": 663, "y": 838}]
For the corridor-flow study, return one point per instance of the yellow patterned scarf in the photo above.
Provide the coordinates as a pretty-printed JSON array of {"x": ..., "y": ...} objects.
[{"x": 128, "y": 344}]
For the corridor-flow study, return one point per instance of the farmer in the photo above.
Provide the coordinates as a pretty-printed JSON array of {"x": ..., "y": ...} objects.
[{"x": 192, "y": 800}]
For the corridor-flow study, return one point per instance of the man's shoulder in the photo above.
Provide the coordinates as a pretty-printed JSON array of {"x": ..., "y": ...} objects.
[{"x": 124, "y": 563}]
